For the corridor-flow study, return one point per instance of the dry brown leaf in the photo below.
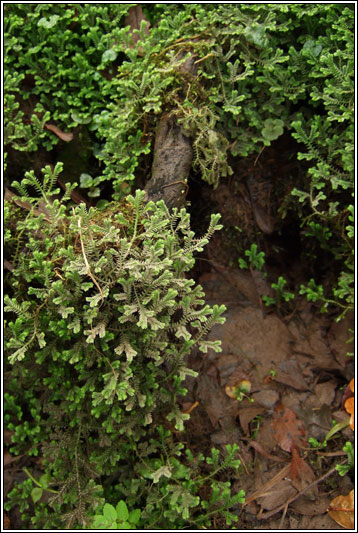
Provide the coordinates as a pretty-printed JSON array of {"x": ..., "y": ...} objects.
[
  {"x": 290, "y": 374},
  {"x": 6, "y": 521},
  {"x": 67, "y": 137},
  {"x": 280, "y": 492},
  {"x": 8, "y": 459},
  {"x": 9, "y": 266},
  {"x": 247, "y": 414},
  {"x": 260, "y": 449},
  {"x": 288, "y": 429},
  {"x": 302, "y": 475},
  {"x": 341, "y": 509},
  {"x": 268, "y": 485}
]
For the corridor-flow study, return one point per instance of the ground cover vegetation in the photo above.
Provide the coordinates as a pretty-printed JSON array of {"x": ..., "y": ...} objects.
[{"x": 101, "y": 312}]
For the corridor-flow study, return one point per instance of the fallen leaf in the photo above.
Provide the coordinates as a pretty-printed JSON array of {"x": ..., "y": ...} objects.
[
  {"x": 303, "y": 506},
  {"x": 290, "y": 374},
  {"x": 67, "y": 137},
  {"x": 260, "y": 449},
  {"x": 266, "y": 397},
  {"x": 8, "y": 459},
  {"x": 9, "y": 266},
  {"x": 341, "y": 509},
  {"x": 280, "y": 492},
  {"x": 288, "y": 429},
  {"x": 6, "y": 521},
  {"x": 302, "y": 475},
  {"x": 268, "y": 485},
  {"x": 247, "y": 414}
]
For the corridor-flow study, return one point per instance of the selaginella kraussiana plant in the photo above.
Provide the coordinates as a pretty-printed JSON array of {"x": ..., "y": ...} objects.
[{"x": 100, "y": 317}]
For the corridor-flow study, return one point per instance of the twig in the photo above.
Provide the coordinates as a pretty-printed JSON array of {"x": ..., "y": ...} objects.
[
  {"x": 175, "y": 182},
  {"x": 257, "y": 158},
  {"x": 299, "y": 494},
  {"x": 283, "y": 516}
]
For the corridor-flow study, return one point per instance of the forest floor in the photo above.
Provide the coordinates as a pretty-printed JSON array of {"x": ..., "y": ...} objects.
[{"x": 295, "y": 360}]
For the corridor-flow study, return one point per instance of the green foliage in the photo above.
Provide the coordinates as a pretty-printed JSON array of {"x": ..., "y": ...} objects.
[
  {"x": 116, "y": 517},
  {"x": 100, "y": 318},
  {"x": 345, "y": 468},
  {"x": 175, "y": 483},
  {"x": 256, "y": 260},
  {"x": 281, "y": 295}
]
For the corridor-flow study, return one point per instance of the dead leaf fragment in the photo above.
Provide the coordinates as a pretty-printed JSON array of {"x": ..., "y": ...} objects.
[
  {"x": 341, "y": 510},
  {"x": 268, "y": 485},
  {"x": 260, "y": 449},
  {"x": 67, "y": 137},
  {"x": 288, "y": 429},
  {"x": 247, "y": 414},
  {"x": 290, "y": 374},
  {"x": 280, "y": 492},
  {"x": 6, "y": 521},
  {"x": 302, "y": 475}
]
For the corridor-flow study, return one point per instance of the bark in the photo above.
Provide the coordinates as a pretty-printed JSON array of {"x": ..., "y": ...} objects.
[{"x": 173, "y": 157}]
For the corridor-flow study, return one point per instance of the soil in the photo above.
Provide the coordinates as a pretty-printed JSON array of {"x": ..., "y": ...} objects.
[{"x": 293, "y": 357}]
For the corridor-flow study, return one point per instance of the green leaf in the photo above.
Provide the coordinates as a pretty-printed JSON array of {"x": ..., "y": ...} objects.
[
  {"x": 124, "y": 525},
  {"x": 36, "y": 494},
  {"x": 134, "y": 516},
  {"x": 122, "y": 511},
  {"x": 109, "y": 512},
  {"x": 99, "y": 522},
  {"x": 272, "y": 129},
  {"x": 45, "y": 480},
  {"x": 48, "y": 23},
  {"x": 86, "y": 180},
  {"x": 109, "y": 55}
]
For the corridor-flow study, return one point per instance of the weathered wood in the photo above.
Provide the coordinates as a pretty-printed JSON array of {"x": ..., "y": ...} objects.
[{"x": 173, "y": 156}]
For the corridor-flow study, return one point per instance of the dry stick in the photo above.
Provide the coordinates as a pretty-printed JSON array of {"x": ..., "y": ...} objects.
[
  {"x": 178, "y": 181},
  {"x": 283, "y": 516},
  {"x": 310, "y": 486}
]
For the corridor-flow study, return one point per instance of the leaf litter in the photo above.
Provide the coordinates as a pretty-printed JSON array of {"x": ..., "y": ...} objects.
[{"x": 295, "y": 380}]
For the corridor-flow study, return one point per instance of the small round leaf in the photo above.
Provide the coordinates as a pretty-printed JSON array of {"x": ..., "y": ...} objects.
[{"x": 36, "y": 494}]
